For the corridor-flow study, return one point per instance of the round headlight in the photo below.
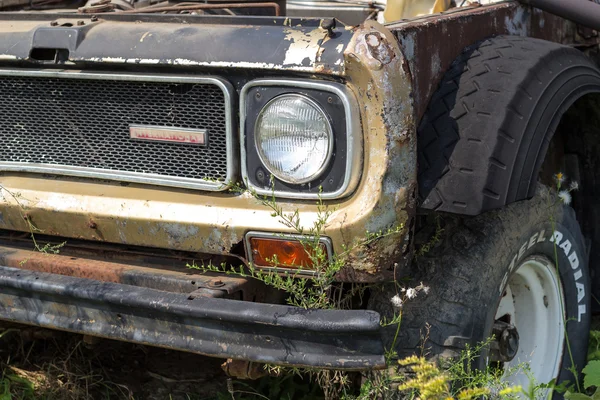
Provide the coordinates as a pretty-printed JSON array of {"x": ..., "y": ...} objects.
[{"x": 294, "y": 138}]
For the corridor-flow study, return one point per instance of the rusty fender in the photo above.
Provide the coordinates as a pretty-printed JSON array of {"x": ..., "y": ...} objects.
[
  {"x": 160, "y": 308},
  {"x": 377, "y": 70},
  {"x": 431, "y": 43}
]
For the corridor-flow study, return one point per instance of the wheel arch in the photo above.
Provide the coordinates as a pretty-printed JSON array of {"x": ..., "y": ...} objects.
[{"x": 490, "y": 182}]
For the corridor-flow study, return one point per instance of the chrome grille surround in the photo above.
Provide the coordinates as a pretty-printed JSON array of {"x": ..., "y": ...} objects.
[{"x": 76, "y": 123}]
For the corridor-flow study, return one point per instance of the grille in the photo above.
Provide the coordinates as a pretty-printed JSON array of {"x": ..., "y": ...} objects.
[{"x": 71, "y": 126}]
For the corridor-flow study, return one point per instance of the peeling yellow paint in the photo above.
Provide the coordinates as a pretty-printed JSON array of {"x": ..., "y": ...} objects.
[{"x": 303, "y": 46}]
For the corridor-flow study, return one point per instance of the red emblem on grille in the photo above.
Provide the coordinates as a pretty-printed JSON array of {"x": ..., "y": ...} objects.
[{"x": 169, "y": 134}]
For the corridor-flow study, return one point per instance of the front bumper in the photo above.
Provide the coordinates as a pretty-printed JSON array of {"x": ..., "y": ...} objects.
[{"x": 156, "y": 309}]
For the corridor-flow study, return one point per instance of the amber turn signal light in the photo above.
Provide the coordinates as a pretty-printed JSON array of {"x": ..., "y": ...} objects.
[{"x": 283, "y": 253}]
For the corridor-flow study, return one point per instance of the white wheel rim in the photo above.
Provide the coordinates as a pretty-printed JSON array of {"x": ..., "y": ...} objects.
[{"x": 533, "y": 302}]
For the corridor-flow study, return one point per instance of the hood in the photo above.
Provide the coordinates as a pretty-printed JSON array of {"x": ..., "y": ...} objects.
[{"x": 270, "y": 43}]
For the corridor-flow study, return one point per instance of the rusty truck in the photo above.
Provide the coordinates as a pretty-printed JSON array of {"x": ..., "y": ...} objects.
[{"x": 466, "y": 131}]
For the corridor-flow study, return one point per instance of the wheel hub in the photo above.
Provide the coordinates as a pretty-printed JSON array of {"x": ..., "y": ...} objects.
[
  {"x": 529, "y": 323},
  {"x": 505, "y": 345}
]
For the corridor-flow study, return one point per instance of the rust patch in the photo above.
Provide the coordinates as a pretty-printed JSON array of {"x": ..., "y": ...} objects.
[
  {"x": 379, "y": 48},
  {"x": 134, "y": 270},
  {"x": 41, "y": 262},
  {"x": 376, "y": 70},
  {"x": 243, "y": 369},
  {"x": 432, "y": 43}
]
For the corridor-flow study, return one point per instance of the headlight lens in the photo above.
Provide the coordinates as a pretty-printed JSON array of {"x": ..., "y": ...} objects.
[{"x": 294, "y": 138}]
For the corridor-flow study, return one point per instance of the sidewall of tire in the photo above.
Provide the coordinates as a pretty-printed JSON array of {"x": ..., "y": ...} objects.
[{"x": 559, "y": 241}]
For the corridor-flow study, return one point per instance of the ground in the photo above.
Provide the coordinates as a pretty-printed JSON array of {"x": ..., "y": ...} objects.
[
  {"x": 44, "y": 364},
  {"x": 51, "y": 365}
]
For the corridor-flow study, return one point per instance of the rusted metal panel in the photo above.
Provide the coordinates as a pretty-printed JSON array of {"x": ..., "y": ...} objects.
[
  {"x": 287, "y": 44},
  {"x": 430, "y": 44},
  {"x": 273, "y": 334},
  {"x": 244, "y": 369},
  {"x": 161, "y": 274},
  {"x": 378, "y": 72}
]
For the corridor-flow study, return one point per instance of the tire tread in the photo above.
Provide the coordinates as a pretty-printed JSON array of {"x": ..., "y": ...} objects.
[{"x": 477, "y": 119}]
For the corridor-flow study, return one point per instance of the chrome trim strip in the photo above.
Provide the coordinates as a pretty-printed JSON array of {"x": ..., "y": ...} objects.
[
  {"x": 267, "y": 235},
  {"x": 136, "y": 177},
  {"x": 353, "y": 131},
  {"x": 112, "y": 175}
]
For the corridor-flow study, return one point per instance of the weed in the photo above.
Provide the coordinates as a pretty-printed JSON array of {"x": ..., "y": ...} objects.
[
  {"x": 49, "y": 248},
  {"x": 594, "y": 345},
  {"x": 455, "y": 378},
  {"x": 591, "y": 383},
  {"x": 434, "y": 240},
  {"x": 320, "y": 291},
  {"x": 285, "y": 387}
]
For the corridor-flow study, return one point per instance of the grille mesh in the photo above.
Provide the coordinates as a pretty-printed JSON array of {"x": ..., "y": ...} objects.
[{"x": 85, "y": 123}]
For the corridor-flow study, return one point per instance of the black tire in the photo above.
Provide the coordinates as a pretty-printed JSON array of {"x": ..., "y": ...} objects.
[
  {"x": 486, "y": 131},
  {"x": 468, "y": 269}
]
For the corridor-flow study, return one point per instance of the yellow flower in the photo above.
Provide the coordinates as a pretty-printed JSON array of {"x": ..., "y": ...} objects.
[
  {"x": 411, "y": 360},
  {"x": 510, "y": 390},
  {"x": 473, "y": 393},
  {"x": 434, "y": 388}
]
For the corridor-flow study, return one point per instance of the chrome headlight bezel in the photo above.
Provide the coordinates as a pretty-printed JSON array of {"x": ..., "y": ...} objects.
[
  {"x": 341, "y": 174},
  {"x": 267, "y": 163}
]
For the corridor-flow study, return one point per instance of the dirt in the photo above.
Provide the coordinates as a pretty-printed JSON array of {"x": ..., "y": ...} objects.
[
  {"x": 54, "y": 365},
  {"x": 51, "y": 365}
]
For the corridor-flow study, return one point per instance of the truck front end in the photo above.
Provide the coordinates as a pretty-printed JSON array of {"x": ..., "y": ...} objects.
[{"x": 135, "y": 145}]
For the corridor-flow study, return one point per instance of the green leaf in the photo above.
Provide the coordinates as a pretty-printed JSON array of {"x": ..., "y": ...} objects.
[
  {"x": 576, "y": 396},
  {"x": 596, "y": 395},
  {"x": 592, "y": 374},
  {"x": 23, "y": 381}
]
